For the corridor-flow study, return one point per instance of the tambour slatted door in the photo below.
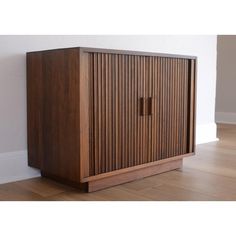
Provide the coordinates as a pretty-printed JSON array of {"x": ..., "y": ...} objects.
[
  {"x": 140, "y": 110},
  {"x": 121, "y": 86},
  {"x": 118, "y": 127},
  {"x": 169, "y": 127}
]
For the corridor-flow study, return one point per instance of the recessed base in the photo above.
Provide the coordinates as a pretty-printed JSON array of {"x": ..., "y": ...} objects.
[
  {"x": 95, "y": 183},
  {"x": 109, "y": 181},
  {"x": 80, "y": 186}
]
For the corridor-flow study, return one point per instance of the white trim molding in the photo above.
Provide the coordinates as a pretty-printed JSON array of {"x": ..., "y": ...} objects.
[
  {"x": 226, "y": 117},
  {"x": 14, "y": 167},
  {"x": 206, "y": 133}
]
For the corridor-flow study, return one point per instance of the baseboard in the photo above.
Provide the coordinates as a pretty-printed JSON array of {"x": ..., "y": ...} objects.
[
  {"x": 206, "y": 133},
  {"x": 14, "y": 167},
  {"x": 225, "y": 117}
]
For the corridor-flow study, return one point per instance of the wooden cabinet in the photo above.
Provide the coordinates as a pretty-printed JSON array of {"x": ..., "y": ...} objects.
[{"x": 99, "y": 117}]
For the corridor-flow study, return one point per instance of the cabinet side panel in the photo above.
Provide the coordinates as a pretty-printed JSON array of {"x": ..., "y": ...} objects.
[
  {"x": 34, "y": 109},
  {"x": 61, "y": 114}
]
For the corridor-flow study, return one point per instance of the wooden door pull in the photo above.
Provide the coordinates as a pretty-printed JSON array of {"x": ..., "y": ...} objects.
[
  {"x": 142, "y": 106},
  {"x": 150, "y": 106}
]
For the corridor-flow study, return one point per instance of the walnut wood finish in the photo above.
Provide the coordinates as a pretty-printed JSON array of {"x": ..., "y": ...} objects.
[
  {"x": 35, "y": 94},
  {"x": 53, "y": 112},
  {"x": 94, "y": 112}
]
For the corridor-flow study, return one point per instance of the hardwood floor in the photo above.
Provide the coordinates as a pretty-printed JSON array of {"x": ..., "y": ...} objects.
[{"x": 210, "y": 175}]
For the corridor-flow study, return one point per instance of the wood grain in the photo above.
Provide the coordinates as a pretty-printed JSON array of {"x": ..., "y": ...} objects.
[
  {"x": 35, "y": 101},
  {"x": 94, "y": 111},
  {"x": 53, "y": 128}
]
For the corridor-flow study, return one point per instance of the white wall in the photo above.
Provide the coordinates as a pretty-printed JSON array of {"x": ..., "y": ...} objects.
[
  {"x": 226, "y": 79},
  {"x": 13, "y": 77}
]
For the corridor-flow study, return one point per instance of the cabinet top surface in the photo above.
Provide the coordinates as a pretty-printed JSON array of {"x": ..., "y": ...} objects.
[{"x": 115, "y": 51}]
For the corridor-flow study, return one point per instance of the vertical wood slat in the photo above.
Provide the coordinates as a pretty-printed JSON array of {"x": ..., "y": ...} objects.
[
  {"x": 95, "y": 117},
  {"x": 144, "y": 138},
  {"x": 147, "y": 131},
  {"x": 118, "y": 113},
  {"x": 174, "y": 108},
  {"x": 160, "y": 108},
  {"x": 91, "y": 117},
  {"x": 165, "y": 98},
  {"x": 130, "y": 96},
  {"x": 133, "y": 112},
  {"x": 122, "y": 98},
  {"x": 138, "y": 142},
  {"x": 145, "y": 85},
  {"x": 113, "y": 111},
  {"x": 126, "y": 107},
  {"x": 153, "y": 117},
  {"x": 178, "y": 106},
  {"x": 141, "y": 94},
  {"x": 171, "y": 92},
  {"x": 175, "y": 83},
  {"x": 158, "y": 105},
  {"x": 99, "y": 113},
  {"x": 179, "y": 109},
  {"x": 185, "y": 105},
  {"x": 156, "y": 138},
  {"x": 137, "y": 152},
  {"x": 164, "y": 107},
  {"x": 107, "y": 112},
  {"x": 167, "y": 114},
  {"x": 122, "y": 109},
  {"x": 150, "y": 118},
  {"x": 103, "y": 114}
]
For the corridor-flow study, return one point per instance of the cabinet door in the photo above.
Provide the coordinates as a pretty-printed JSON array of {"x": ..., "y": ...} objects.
[
  {"x": 170, "y": 121},
  {"x": 118, "y": 126}
]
